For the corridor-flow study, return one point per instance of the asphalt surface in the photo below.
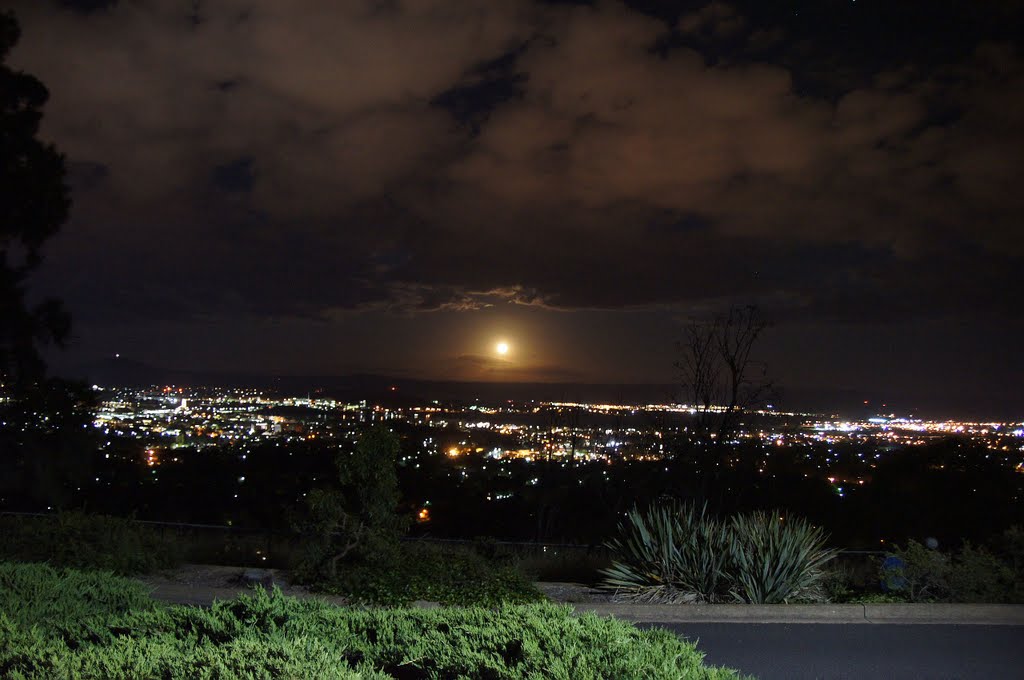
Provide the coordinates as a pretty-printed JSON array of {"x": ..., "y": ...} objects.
[{"x": 893, "y": 651}]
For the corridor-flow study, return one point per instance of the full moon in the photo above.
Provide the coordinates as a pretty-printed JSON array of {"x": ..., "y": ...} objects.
[{"x": 501, "y": 348}]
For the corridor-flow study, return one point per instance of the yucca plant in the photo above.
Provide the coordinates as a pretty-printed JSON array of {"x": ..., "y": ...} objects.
[
  {"x": 776, "y": 560},
  {"x": 669, "y": 553}
]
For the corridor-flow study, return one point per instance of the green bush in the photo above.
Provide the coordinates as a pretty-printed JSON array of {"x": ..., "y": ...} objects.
[
  {"x": 1012, "y": 545},
  {"x": 837, "y": 584},
  {"x": 921, "y": 574},
  {"x": 977, "y": 575},
  {"x": 677, "y": 553},
  {"x": 83, "y": 541},
  {"x": 420, "y": 571},
  {"x": 969, "y": 575},
  {"x": 775, "y": 560},
  {"x": 271, "y": 636},
  {"x": 65, "y": 599},
  {"x": 671, "y": 553}
]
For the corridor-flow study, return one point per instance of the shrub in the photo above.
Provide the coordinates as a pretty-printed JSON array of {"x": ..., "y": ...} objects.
[
  {"x": 917, "y": 572},
  {"x": 922, "y": 574},
  {"x": 836, "y": 584},
  {"x": 669, "y": 553},
  {"x": 776, "y": 560},
  {"x": 268, "y": 636},
  {"x": 424, "y": 572},
  {"x": 1012, "y": 545},
  {"x": 677, "y": 553},
  {"x": 977, "y": 575},
  {"x": 84, "y": 541},
  {"x": 850, "y": 577},
  {"x": 65, "y": 599}
]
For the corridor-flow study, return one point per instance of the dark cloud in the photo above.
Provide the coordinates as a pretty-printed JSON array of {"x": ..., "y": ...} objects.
[
  {"x": 237, "y": 176},
  {"x": 325, "y": 159},
  {"x": 84, "y": 176},
  {"x": 87, "y": 6}
]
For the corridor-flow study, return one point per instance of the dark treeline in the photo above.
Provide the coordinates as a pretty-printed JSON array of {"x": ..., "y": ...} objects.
[{"x": 952, "y": 489}]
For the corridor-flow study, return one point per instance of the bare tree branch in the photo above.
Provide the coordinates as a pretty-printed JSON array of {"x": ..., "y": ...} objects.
[{"x": 719, "y": 377}]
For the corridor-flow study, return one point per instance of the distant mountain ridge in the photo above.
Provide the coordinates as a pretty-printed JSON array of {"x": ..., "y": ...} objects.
[
  {"x": 123, "y": 372},
  {"x": 844, "y": 402}
]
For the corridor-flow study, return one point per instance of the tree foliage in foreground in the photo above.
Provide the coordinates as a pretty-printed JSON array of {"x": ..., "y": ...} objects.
[{"x": 108, "y": 632}]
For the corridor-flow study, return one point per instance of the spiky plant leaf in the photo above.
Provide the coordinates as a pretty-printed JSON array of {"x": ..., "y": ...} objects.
[
  {"x": 776, "y": 559},
  {"x": 669, "y": 553}
]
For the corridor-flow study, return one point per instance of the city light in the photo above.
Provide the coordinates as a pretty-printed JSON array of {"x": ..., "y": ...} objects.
[{"x": 840, "y": 451}]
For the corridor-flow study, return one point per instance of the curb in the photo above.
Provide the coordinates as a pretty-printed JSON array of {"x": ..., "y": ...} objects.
[
  {"x": 973, "y": 614},
  {"x": 939, "y": 614}
]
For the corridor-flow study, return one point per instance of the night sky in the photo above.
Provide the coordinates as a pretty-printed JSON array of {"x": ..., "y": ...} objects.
[{"x": 326, "y": 187}]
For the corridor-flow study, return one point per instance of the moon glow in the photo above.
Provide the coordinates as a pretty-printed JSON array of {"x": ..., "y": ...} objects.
[{"x": 501, "y": 348}]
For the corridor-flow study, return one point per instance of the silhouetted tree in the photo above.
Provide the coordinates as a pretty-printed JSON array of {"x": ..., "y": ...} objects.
[
  {"x": 719, "y": 376},
  {"x": 34, "y": 204},
  {"x": 41, "y": 419},
  {"x": 359, "y": 520},
  {"x": 720, "y": 379}
]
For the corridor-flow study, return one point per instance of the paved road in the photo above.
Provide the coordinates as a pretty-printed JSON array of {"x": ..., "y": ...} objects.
[{"x": 795, "y": 651}]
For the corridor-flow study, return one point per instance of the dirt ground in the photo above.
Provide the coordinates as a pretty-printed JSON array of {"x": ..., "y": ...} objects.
[{"x": 200, "y": 584}]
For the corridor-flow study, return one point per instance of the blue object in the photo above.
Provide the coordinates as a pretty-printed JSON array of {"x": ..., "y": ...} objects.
[{"x": 894, "y": 578}]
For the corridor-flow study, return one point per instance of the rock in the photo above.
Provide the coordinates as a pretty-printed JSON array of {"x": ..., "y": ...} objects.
[{"x": 257, "y": 577}]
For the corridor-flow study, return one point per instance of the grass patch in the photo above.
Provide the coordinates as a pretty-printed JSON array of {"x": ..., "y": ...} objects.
[{"x": 272, "y": 636}]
